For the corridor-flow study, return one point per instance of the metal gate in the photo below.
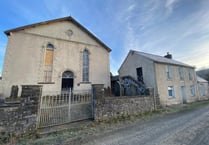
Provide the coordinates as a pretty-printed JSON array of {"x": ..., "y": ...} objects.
[{"x": 68, "y": 106}]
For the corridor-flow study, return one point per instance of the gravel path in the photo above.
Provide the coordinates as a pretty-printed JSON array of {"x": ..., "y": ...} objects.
[{"x": 182, "y": 128}]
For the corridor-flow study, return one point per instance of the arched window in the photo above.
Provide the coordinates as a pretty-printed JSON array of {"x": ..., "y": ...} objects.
[
  {"x": 48, "y": 62},
  {"x": 50, "y": 46},
  {"x": 49, "y": 54},
  {"x": 85, "y": 66},
  {"x": 67, "y": 74}
]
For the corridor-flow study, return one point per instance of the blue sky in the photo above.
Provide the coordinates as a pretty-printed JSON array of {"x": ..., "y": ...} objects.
[{"x": 180, "y": 27}]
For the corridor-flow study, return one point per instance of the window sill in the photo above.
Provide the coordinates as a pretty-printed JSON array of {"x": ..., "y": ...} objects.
[
  {"x": 46, "y": 82},
  {"x": 85, "y": 82},
  {"x": 170, "y": 98}
]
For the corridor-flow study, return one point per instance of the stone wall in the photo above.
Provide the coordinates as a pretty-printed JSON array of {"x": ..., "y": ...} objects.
[
  {"x": 18, "y": 116},
  {"x": 107, "y": 108},
  {"x": 16, "y": 120},
  {"x": 115, "y": 107}
]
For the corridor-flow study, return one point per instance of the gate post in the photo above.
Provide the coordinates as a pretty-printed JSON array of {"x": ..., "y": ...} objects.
[
  {"x": 40, "y": 106},
  {"x": 92, "y": 102},
  {"x": 98, "y": 91},
  {"x": 98, "y": 94},
  {"x": 69, "y": 102}
]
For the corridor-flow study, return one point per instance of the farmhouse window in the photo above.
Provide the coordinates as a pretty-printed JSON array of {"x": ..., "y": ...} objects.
[
  {"x": 168, "y": 72},
  {"x": 171, "y": 92}
]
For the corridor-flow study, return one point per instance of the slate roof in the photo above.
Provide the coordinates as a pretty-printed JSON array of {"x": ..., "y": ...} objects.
[
  {"x": 199, "y": 79},
  {"x": 160, "y": 59},
  {"x": 69, "y": 18}
]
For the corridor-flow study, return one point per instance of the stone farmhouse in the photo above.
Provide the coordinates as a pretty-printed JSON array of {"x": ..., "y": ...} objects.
[
  {"x": 173, "y": 81},
  {"x": 203, "y": 87},
  {"x": 57, "y": 54}
]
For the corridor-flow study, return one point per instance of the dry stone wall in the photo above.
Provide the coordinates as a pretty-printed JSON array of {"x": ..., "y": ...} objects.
[
  {"x": 19, "y": 117},
  {"x": 107, "y": 108},
  {"x": 116, "y": 107}
]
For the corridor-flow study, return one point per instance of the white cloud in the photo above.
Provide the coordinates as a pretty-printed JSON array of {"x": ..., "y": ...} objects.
[
  {"x": 131, "y": 7},
  {"x": 169, "y": 4},
  {"x": 198, "y": 55},
  {"x": 186, "y": 38}
]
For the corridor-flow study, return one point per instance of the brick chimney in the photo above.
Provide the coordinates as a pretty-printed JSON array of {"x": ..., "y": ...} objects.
[{"x": 168, "y": 55}]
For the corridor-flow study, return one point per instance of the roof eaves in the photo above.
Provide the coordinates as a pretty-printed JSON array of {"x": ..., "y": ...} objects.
[
  {"x": 124, "y": 60},
  {"x": 91, "y": 34},
  {"x": 174, "y": 64},
  {"x": 7, "y": 32},
  {"x": 154, "y": 60}
]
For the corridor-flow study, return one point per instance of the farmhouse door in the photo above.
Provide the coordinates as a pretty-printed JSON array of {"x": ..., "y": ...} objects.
[{"x": 183, "y": 94}]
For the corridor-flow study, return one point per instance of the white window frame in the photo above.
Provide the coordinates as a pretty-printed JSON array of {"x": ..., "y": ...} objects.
[
  {"x": 168, "y": 72},
  {"x": 192, "y": 90},
  {"x": 190, "y": 75},
  {"x": 202, "y": 89},
  {"x": 181, "y": 73},
  {"x": 171, "y": 92}
]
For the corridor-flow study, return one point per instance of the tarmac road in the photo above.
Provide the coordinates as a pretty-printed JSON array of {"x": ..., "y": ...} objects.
[{"x": 181, "y": 128}]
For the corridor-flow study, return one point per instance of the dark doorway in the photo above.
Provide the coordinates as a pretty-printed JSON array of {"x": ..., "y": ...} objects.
[
  {"x": 139, "y": 74},
  {"x": 67, "y": 80}
]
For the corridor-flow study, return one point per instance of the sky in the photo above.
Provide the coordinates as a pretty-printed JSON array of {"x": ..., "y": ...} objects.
[{"x": 180, "y": 27}]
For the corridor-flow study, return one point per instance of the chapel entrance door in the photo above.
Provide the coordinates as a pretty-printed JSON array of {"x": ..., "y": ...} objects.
[{"x": 67, "y": 80}]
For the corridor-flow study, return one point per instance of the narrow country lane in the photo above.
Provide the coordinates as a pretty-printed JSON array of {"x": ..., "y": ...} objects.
[{"x": 182, "y": 128}]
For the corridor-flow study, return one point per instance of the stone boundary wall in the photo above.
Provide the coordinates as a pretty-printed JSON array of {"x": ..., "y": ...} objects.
[
  {"x": 16, "y": 121},
  {"x": 109, "y": 108},
  {"x": 18, "y": 116}
]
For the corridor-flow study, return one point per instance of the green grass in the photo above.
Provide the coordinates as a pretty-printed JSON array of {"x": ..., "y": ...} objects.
[
  {"x": 196, "y": 105},
  {"x": 186, "y": 107}
]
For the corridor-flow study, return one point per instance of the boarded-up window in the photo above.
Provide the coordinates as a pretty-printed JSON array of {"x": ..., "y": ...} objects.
[
  {"x": 49, "y": 57},
  {"x": 48, "y": 63}
]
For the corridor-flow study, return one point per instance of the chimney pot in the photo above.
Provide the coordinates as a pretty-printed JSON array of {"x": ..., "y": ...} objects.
[{"x": 168, "y": 55}]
